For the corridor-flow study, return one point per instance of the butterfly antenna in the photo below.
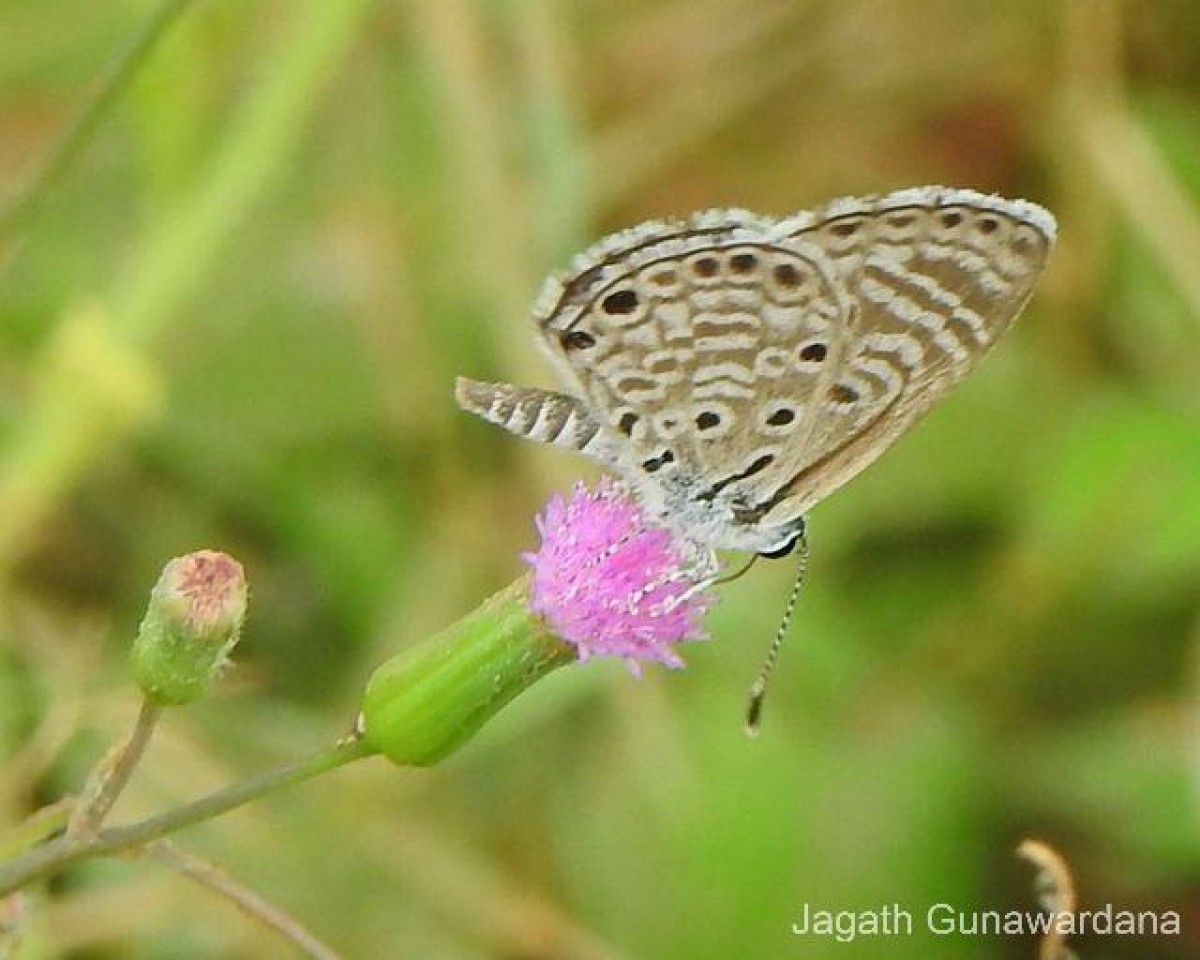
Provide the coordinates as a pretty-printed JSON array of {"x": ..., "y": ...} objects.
[{"x": 758, "y": 692}]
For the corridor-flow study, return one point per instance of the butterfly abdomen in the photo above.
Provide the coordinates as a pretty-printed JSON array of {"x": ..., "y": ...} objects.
[{"x": 541, "y": 415}]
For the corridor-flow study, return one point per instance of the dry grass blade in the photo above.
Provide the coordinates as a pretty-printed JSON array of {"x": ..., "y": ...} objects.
[
  {"x": 1055, "y": 889},
  {"x": 248, "y": 901}
]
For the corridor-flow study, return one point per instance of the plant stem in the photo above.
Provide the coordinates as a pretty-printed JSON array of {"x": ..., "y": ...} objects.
[
  {"x": 66, "y": 850},
  {"x": 248, "y": 901},
  {"x": 112, "y": 774}
]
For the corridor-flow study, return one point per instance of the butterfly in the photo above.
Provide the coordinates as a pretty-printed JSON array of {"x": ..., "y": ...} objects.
[{"x": 736, "y": 369}]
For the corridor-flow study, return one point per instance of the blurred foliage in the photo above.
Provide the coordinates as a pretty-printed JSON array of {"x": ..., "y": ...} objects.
[{"x": 235, "y": 322}]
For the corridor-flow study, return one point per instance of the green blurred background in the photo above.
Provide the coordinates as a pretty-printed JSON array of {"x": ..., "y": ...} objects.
[{"x": 234, "y": 321}]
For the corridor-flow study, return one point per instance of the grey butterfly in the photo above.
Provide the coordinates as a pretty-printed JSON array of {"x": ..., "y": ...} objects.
[{"x": 736, "y": 369}]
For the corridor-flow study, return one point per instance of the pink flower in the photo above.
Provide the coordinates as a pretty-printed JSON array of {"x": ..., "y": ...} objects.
[{"x": 614, "y": 584}]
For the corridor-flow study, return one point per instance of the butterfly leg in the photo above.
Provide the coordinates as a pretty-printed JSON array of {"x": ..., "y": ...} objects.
[{"x": 541, "y": 415}]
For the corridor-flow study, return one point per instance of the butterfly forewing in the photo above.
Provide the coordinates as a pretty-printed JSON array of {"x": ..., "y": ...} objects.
[{"x": 935, "y": 276}]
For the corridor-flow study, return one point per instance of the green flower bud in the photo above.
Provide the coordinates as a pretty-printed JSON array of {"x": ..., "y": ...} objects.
[
  {"x": 429, "y": 700},
  {"x": 191, "y": 624}
]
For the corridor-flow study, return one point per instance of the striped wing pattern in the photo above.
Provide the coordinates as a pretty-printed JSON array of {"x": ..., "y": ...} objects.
[{"x": 737, "y": 369}]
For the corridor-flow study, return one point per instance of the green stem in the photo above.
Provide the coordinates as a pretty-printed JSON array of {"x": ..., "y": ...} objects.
[
  {"x": 23, "y": 209},
  {"x": 66, "y": 850},
  {"x": 112, "y": 775}
]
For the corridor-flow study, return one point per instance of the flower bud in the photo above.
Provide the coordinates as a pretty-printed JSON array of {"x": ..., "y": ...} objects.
[{"x": 192, "y": 623}]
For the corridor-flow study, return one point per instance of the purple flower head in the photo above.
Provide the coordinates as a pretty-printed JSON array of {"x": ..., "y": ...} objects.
[{"x": 614, "y": 584}]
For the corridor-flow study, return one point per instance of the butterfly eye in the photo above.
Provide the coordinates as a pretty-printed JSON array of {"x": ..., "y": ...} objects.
[
  {"x": 785, "y": 549},
  {"x": 793, "y": 536}
]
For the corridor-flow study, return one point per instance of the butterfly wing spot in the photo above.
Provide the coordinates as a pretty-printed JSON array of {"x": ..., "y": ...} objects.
[
  {"x": 795, "y": 284},
  {"x": 779, "y": 419},
  {"x": 757, "y": 466},
  {"x": 576, "y": 340},
  {"x": 713, "y": 420},
  {"x": 620, "y": 302},
  {"x": 743, "y": 262},
  {"x": 662, "y": 283},
  {"x": 843, "y": 236},
  {"x": 843, "y": 394},
  {"x": 786, "y": 276},
  {"x": 1025, "y": 241},
  {"x": 668, "y": 426},
  {"x": 627, "y": 422},
  {"x": 989, "y": 234},
  {"x": 706, "y": 267},
  {"x": 951, "y": 219},
  {"x": 654, "y": 464},
  {"x": 813, "y": 352}
]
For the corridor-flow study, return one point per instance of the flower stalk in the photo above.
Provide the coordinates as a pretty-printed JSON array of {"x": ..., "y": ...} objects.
[
  {"x": 110, "y": 776},
  {"x": 52, "y": 857},
  {"x": 605, "y": 582}
]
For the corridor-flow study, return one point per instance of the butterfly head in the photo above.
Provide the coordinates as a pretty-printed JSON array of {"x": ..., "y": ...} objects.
[{"x": 719, "y": 520}]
